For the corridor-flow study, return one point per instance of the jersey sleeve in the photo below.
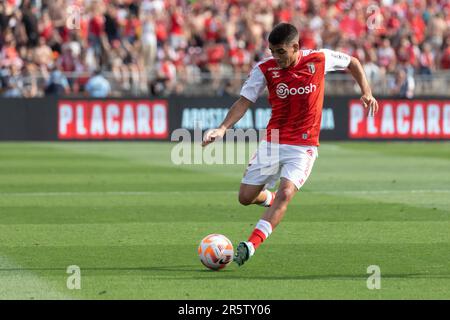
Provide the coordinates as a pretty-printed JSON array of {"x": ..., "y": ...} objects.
[
  {"x": 335, "y": 60},
  {"x": 254, "y": 85}
]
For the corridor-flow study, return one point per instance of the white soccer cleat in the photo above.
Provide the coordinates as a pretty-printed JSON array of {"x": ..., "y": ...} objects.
[{"x": 243, "y": 252}]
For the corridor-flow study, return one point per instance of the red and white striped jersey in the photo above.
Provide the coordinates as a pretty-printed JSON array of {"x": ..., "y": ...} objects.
[{"x": 295, "y": 94}]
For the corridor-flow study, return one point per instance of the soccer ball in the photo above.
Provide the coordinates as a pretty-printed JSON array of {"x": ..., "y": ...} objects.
[{"x": 215, "y": 251}]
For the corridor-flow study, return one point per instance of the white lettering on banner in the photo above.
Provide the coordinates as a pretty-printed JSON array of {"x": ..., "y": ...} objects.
[
  {"x": 143, "y": 119},
  {"x": 65, "y": 118},
  {"x": 128, "y": 123},
  {"x": 327, "y": 119},
  {"x": 401, "y": 119},
  {"x": 262, "y": 117},
  {"x": 159, "y": 119},
  {"x": 418, "y": 126},
  {"x": 204, "y": 118},
  {"x": 112, "y": 121},
  {"x": 245, "y": 122},
  {"x": 402, "y": 123},
  {"x": 186, "y": 119},
  {"x": 371, "y": 126},
  {"x": 433, "y": 119},
  {"x": 446, "y": 121},
  {"x": 83, "y": 119},
  {"x": 81, "y": 129},
  {"x": 97, "y": 124},
  {"x": 356, "y": 117},
  {"x": 387, "y": 121}
]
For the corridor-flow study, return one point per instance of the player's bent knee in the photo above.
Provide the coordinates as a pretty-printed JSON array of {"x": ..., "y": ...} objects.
[
  {"x": 285, "y": 195},
  {"x": 245, "y": 200}
]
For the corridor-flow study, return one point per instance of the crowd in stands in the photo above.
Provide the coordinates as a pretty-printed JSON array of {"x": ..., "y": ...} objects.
[{"x": 156, "y": 47}]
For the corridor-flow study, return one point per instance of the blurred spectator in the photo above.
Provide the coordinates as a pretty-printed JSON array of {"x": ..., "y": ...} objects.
[
  {"x": 30, "y": 84},
  {"x": 215, "y": 53},
  {"x": 166, "y": 77},
  {"x": 43, "y": 54},
  {"x": 403, "y": 85},
  {"x": 98, "y": 86},
  {"x": 112, "y": 24},
  {"x": 46, "y": 28},
  {"x": 436, "y": 30},
  {"x": 57, "y": 83},
  {"x": 386, "y": 56},
  {"x": 30, "y": 22},
  {"x": 177, "y": 38},
  {"x": 149, "y": 43},
  {"x": 13, "y": 83},
  {"x": 57, "y": 15},
  {"x": 372, "y": 70},
  {"x": 426, "y": 60},
  {"x": 96, "y": 27},
  {"x": 407, "y": 54},
  {"x": 445, "y": 61},
  {"x": 132, "y": 28},
  {"x": 240, "y": 59}
]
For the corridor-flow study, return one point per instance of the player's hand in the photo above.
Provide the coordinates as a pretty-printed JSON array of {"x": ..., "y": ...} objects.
[
  {"x": 370, "y": 103},
  {"x": 213, "y": 135}
]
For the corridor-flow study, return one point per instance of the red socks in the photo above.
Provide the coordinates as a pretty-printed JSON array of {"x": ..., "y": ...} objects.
[{"x": 261, "y": 232}]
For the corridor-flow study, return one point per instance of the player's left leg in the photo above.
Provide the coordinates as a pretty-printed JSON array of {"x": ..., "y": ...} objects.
[{"x": 255, "y": 194}]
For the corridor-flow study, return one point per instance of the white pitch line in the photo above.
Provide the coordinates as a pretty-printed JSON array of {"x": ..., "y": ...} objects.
[
  {"x": 383, "y": 191},
  {"x": 145, "y": 193},
  {"x": 104, "y": 193}
]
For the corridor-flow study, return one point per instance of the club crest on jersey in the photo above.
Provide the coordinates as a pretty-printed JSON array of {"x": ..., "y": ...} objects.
[
  {"x": 311, "y": 67},
  {"x": 275, "y": 74}
]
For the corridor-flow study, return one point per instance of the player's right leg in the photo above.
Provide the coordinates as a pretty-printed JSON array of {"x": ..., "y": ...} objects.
[
  {"x": 263, "y": 170},
  {"x": 297, "y": 166},
  {"x": 270, "y": 219}
]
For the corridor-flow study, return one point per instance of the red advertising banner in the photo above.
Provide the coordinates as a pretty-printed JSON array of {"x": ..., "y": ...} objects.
[
  {"x": 112, "y": 119},
  {"x": 401, "y": 119}
]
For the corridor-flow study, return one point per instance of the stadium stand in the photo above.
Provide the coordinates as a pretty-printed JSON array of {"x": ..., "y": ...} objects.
[{"x": 162, "y": 47}]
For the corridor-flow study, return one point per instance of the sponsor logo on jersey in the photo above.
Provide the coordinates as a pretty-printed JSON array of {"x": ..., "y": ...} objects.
[
  {"x": 338, "y": 55},
  {"x": 307, "y": 52},
  {"x": 283, "y": 90}
]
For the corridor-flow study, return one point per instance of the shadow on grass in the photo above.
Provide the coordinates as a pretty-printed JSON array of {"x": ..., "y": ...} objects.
[{"x": 191, "y": 272}]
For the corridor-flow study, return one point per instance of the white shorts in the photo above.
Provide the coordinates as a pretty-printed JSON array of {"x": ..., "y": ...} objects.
[{"x": 273, "y": 161}]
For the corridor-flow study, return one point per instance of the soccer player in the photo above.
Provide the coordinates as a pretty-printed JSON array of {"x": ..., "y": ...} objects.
[{"x": 295, "y": 81}]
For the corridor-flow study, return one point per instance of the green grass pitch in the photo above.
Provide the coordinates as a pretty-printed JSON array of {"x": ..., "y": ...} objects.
[{"x": 131, "y": 220}]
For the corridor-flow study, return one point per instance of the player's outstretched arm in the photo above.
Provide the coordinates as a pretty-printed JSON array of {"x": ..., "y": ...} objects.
[
  {"x": 236, "y": 112},
  {"x": 358, "y": 74}
]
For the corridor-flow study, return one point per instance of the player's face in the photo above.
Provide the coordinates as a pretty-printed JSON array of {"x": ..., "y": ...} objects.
[{"x": 284, "y": 54}]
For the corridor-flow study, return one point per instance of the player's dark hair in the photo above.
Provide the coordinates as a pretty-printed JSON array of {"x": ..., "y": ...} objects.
[{"x": 283, "y": 33}]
